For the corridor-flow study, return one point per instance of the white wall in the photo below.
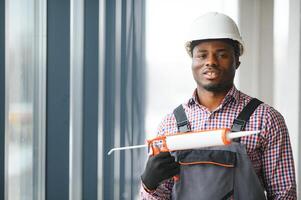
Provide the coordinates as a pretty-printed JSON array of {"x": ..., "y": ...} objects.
[
  {"x": 270, "y": 68},
  {"x": 256, "y": 71},
  {"x": 290, "y": 96}
]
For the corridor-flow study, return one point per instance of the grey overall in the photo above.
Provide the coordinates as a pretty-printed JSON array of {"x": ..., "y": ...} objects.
[{"x": 217, "y": 173}]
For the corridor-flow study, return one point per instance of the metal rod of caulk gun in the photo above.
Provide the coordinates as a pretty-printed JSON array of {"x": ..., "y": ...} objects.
[{"x": 129, "y": 147}]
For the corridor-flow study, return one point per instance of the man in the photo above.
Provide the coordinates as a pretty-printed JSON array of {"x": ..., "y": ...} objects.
[{"x": 215, "y": 46}]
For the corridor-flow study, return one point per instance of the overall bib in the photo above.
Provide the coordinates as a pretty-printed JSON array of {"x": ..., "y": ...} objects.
[{"x": 217, "y": 173}]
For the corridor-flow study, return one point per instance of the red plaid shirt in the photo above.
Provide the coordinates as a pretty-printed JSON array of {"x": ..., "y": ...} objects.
[{"x": 270, "y": 151}]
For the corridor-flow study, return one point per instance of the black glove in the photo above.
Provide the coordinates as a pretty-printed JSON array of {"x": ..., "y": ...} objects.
[{"x": 158, "y": 168}]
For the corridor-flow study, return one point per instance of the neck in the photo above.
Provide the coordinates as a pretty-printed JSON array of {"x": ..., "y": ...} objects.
[{"x": 209, "y": 99}]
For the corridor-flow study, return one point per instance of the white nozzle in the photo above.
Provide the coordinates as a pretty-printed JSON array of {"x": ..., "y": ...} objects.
[{"x": 232, "y": 135}]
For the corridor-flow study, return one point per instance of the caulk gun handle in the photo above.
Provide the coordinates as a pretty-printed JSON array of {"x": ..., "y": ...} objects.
[{"x": 156, "y": 150}]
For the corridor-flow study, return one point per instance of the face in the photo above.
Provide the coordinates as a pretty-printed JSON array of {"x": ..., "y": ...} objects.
[{"x": 214, "y": 65}]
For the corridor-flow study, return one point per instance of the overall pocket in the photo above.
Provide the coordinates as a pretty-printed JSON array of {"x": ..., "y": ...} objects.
[{"x": 205, "y": 174}]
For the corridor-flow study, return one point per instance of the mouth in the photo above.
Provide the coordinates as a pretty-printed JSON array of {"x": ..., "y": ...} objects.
[{"x": 211, "y": 74}]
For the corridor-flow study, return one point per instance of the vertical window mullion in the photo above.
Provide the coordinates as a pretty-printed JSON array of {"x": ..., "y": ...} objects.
[
  {"x": 2, "y": 96},
  {"x": 58, "y": 96},
  {"x": 101, "y": 86},
  {"x": 39, "y": 108},
  {"x": 76, "y": 98},
  {"x": 90, "y": 99},
  {"x": 117, "y": 100},
  {"x": 109, "y": 100}
]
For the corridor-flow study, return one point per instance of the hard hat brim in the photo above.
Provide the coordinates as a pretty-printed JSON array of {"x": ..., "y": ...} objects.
[{"x": 189, "y": 50}]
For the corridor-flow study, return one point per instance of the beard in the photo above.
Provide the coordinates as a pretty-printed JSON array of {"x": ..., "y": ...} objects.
[{"x": 218, "y": 87}]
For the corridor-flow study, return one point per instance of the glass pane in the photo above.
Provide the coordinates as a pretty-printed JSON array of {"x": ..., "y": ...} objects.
[
  {"x": 25, "y": 99},
  {"x": 168, "y": 64}
]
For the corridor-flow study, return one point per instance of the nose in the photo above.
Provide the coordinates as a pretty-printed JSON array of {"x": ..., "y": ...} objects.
[{"x": 211, "y": 60}]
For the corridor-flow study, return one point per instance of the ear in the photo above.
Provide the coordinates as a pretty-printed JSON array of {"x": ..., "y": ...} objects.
[{"x": 237, "y": 64}]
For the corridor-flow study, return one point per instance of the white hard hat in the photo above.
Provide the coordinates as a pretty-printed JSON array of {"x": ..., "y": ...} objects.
[{"x": 213, "y": 25}]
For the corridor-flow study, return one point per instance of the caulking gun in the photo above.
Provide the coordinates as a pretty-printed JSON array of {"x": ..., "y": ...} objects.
[{"x": 189, "y": 140}]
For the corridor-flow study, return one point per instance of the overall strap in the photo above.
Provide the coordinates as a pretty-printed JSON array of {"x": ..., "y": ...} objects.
[
  {"x": 181, "y": 118},
  {"x": 240, "y": 122}
]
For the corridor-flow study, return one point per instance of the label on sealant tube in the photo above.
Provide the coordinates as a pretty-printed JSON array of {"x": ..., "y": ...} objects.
[{"x": 196, "y": 140}]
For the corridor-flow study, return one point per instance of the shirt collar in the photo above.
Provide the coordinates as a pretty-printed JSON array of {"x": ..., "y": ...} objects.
[{"x": 233, "y": 93}]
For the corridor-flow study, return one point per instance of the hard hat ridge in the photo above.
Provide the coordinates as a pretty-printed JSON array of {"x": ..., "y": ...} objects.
[{"x": 213, "y": 25}]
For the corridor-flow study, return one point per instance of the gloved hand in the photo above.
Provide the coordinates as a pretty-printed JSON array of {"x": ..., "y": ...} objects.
[{"x": 158, "y": 168}]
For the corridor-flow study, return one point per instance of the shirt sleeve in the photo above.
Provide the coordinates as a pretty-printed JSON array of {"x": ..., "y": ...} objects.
[{"x": 277, "y": 161}]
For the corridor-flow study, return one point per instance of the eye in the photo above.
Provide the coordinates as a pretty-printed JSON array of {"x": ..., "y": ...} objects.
[
  {"x": 201, "y": 55},
  {"x": 222, "y": 55}
]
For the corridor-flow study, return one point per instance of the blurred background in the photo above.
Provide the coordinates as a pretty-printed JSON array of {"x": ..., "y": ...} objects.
[{"x": 79, "y": 77}]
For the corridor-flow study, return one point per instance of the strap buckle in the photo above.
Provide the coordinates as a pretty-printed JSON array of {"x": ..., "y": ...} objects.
[
  {"x": 238, "y": 125},
  {"x": 183, "y": 126}
]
